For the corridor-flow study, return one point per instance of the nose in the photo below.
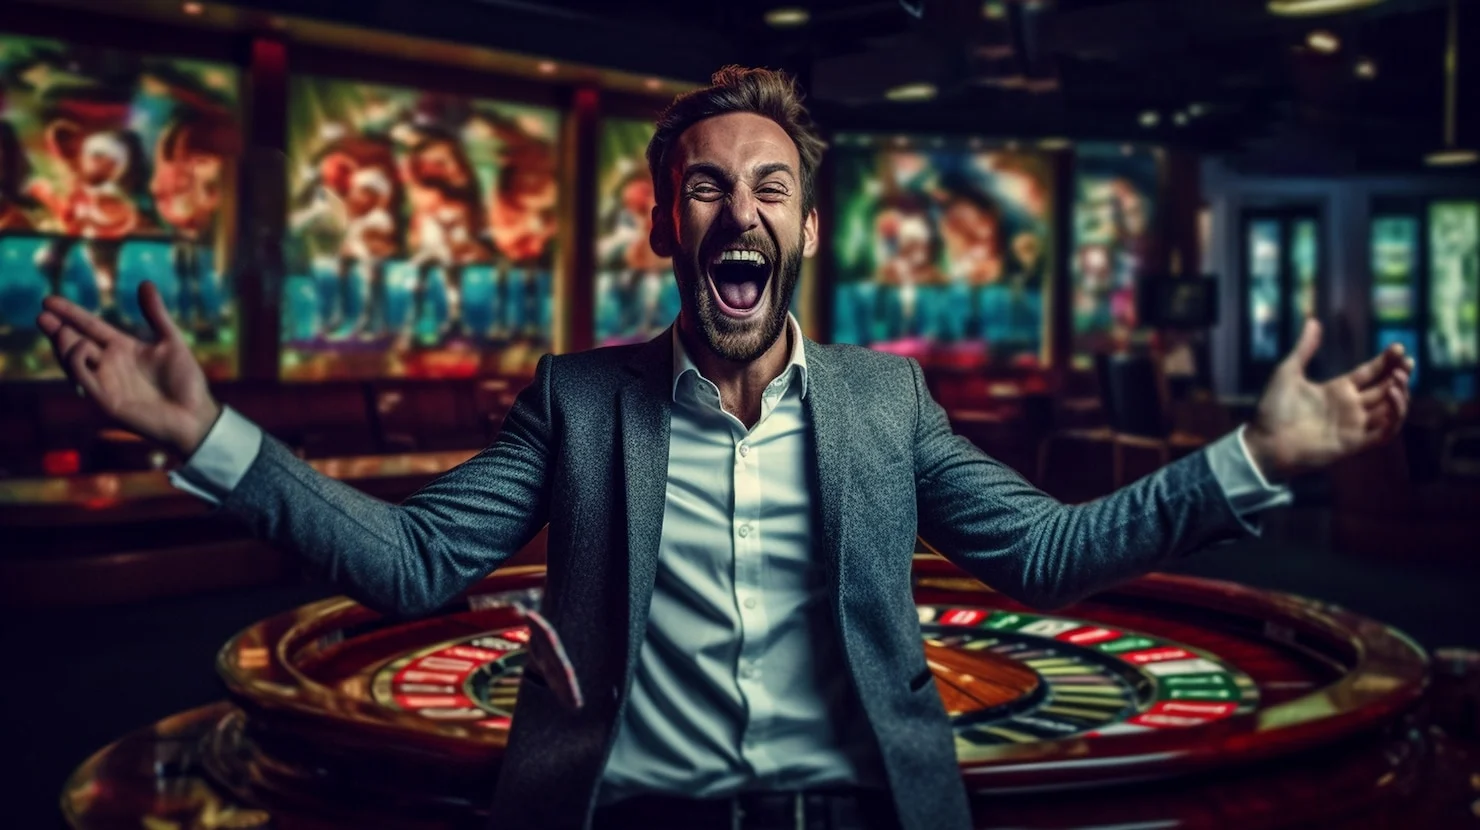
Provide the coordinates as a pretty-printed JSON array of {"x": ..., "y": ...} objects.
[{"x": 740, "y": 209}]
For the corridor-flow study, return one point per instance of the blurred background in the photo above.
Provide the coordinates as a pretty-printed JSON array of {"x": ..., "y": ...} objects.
[{"x": 1098, "y": 224}]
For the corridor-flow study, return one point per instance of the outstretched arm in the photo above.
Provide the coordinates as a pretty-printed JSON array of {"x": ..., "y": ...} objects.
[
  {"x": 992, "y": 523},
  {"x": 404, "y": 559}
]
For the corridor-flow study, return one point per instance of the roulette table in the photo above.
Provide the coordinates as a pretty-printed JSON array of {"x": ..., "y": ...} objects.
[{"x": 1167, "y": 702}]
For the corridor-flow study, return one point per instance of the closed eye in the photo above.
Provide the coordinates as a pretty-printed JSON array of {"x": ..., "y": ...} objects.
[{"x": 705, "y": 192}]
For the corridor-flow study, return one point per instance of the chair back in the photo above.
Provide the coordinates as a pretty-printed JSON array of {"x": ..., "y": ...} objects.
[{"x": 1131, "y": 391}]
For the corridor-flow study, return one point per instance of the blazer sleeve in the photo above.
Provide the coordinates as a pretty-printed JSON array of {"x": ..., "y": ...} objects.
[
  {"x": 411, "y": 558},
  {"x": 989, "y": 521}
]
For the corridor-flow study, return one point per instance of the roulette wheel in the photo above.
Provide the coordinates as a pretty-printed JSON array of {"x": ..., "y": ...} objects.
[{"x": 1168, "y": 702}]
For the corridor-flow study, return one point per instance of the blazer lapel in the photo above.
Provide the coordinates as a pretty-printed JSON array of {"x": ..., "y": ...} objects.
[
  {"x": 830, "y": 404},
  {"x": 644, "y": 416}
]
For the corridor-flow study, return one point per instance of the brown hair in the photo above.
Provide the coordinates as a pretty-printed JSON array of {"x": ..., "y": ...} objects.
[{"x": 769, "y": 93}]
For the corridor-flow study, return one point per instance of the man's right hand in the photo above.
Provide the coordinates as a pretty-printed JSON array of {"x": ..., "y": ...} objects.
[{"x": 155, "y": 389}]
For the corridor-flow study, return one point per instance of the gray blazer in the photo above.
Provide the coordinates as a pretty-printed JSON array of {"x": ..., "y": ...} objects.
[{"x": 585, "y": 449}]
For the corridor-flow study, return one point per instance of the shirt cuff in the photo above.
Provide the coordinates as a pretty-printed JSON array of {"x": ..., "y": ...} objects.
[
  {"x": 212, "y": 472},
  {"x": 1247, "y": 490}
]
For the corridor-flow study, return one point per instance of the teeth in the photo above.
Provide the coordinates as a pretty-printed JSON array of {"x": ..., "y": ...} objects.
[{"x": 742, "y": 256}]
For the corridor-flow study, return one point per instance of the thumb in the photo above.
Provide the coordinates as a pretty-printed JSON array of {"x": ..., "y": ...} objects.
[
  {"x": 151, "y": 302},
  {"x": 1305, "y": 349}
]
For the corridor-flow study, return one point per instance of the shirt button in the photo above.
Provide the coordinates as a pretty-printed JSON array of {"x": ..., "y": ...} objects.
[
  {"x": 744, "y": 450},
  {"x": 750, "y": 602},
  {"x": 744, "y": 531}
]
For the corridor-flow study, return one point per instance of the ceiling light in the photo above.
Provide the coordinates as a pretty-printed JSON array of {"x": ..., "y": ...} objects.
[
  {"x": 1451, "y": 158},
  {"x": 547, "y": 67},
  {"x": 994, "y": 10},
  {"x": 653, "y": 83},
  {"x": 192, "y": 8},
  {"x": 1054, "y": 143},
  {"x": 1197, "y": 110},
  {"x": 911, "y": 92},
  {"x": 1310, "y": 8},
  {"x": 1323, "y": 41},
  {"x": 1366, "y": 69},
  {"x": 787, "y": 17},
  {"x": 1180, "y": 119},
  {"x": 1150, "y": 118}
]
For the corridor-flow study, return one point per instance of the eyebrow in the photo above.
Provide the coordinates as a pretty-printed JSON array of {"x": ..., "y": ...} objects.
[
  {"x": 774, "y": 167},
  {"x": 703, "y": 168},
  {"x": 710, "y": 169}
]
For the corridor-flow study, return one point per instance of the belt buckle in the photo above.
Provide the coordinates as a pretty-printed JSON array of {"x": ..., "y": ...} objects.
[{"x": 799, "y": 812}]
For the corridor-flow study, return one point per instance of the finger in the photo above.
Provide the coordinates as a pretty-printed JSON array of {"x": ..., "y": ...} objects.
[
  {"x": 1378, "y": 424},
  {"x": 1371, "y": 371},
  {"x": 151, "y": 302},
  {"x": 48, "y": 323},
  {"x": 82, "y": 319},
  {"x": 64, "y": 341},
  {"x": 1377, "y": 393},
  {"x": 1373, "y": 395},
  {"x": 69, "y": 343},
  {"x": 81, "y": 364},
  {"x": 1386, "y": 420},
  {"x": 1399, "y": 396},
  {"x": 1310, "y": 341}
]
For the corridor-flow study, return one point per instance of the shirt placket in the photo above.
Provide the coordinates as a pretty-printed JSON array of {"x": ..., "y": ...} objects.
[{"x": 750, "y": 603}]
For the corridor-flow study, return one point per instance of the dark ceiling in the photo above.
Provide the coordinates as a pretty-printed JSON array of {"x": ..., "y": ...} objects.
[
  {"x": 1091, "y": 68},
  {"x": 1086, "y": 69}
]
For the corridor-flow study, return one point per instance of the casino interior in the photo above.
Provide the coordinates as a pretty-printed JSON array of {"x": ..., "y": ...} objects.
[{"x": 1097, "y": 224}]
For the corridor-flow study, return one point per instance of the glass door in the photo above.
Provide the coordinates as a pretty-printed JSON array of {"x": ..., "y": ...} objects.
[
  {"x": 1453, "y": 336},
  {"x": 1395, "y": 283}
]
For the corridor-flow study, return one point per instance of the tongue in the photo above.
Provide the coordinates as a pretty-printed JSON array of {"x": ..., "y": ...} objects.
[{"x": 741, "y": 295}]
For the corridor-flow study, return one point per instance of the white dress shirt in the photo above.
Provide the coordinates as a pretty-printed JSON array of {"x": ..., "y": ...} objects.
[{"x": 740, "y": 684}]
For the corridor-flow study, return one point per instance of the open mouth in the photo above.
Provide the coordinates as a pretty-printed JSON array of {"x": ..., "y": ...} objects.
[{"x": 738, "y": 279}]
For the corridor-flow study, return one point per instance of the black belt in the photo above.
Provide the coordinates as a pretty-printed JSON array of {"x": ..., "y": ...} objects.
[{"x": 850, "y": 809}]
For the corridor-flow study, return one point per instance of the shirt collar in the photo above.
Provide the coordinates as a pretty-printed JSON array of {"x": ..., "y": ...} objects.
[{"x": 797, "y": 363}]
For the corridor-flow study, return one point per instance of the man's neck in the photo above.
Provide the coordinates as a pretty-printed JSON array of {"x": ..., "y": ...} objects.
[{"x": 740, "y": 384}]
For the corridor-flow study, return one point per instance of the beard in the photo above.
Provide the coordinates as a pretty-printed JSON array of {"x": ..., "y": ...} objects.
[{"x": 740, "y": 341}]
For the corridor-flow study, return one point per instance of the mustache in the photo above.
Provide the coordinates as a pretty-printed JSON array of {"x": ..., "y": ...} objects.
[{"x": 755, "y": 242}]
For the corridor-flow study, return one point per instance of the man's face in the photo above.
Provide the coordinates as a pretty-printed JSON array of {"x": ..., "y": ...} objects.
[
  {"x": 438, "y": 163},
  {"x": 637, "y": 197},
  {"x": 970, "y": 221},
  {"x": 736, "y": 231}
]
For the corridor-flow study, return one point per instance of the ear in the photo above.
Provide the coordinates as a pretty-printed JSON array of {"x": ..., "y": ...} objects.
[
  {"x": 661, "y": 237},
  {"x": 809, "y": 234},
  {"x": 64, "y": 141}
]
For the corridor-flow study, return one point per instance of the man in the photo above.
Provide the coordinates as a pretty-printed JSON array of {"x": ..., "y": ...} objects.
[{"x": 732, "y": 510}]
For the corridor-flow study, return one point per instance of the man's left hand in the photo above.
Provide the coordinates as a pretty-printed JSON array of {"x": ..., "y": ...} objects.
[{"x": 1302, "y": 426}]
